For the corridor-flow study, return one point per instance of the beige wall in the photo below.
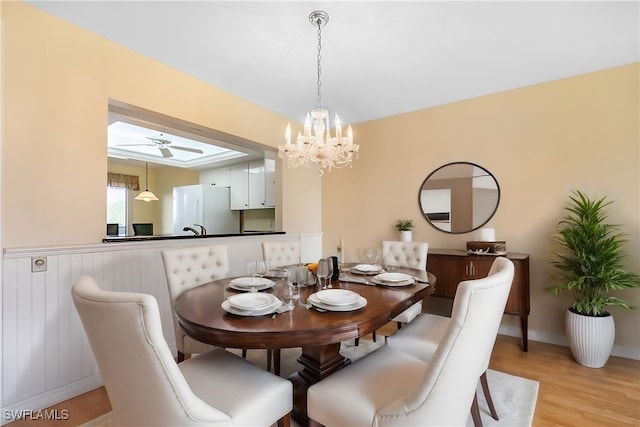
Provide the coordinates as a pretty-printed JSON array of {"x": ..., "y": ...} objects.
[
  {"x": 57, "y": 82},
  {"x": 540, "y": 142}
]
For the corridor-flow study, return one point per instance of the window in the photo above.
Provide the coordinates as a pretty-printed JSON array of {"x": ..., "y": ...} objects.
[{"x": 117, "y": 208}]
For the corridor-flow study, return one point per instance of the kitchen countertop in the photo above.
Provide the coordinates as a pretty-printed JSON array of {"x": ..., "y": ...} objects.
[{"x": 180, "y": 237}]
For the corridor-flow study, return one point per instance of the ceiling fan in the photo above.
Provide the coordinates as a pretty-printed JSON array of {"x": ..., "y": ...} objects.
[{"x": 165, "y": 146}]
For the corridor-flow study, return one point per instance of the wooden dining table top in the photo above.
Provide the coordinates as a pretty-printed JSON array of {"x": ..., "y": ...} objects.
[
  {"x": 319, "y": 334},
  {"x": 201, "y": 316}
]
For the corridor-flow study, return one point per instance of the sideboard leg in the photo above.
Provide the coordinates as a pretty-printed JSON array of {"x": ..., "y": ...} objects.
[{"x": 524, "y": 326}]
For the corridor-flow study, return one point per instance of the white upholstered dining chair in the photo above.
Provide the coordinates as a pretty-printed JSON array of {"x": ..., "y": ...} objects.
[
  {"x": 186, "y": 268},
  {"x": 391, "y": 387},
  {"x": 410, "y": 255},
  {"x": 421, "y": 339},
  {"x": 147, "y": 387},
  {"x": 281, "y": 253},
  {"x": 404, "y": 254}
]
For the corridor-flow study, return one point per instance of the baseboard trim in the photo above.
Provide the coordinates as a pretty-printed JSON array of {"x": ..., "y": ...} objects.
[
  {"x": 51, "y": 397},
  {"x": 618, "y": 350}
]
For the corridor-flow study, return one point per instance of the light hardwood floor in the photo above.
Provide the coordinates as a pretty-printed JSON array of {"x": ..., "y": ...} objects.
[{"x": 569, "y": 394}]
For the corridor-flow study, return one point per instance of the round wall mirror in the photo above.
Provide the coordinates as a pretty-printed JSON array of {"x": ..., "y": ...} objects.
[{"x": 459, "y": 197}]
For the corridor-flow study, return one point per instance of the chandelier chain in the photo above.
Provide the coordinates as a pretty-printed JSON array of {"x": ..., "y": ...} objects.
[{"x": 319, "y": 83}]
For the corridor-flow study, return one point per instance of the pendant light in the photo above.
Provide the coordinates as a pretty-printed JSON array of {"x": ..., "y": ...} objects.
[
  {"x": 319, "y": 147},
  {"x": 146, "y": 195}
]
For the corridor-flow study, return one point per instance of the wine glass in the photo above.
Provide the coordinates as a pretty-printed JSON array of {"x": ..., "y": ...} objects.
[
  {"x": 251, "y": 270},
  {"x": 292, "y": 285},
  {"x": 330, "y": 266},
  {"x": 323, "y": 272},
  {"x": 371, "y": 255},
  {"x": 261, "y": 268}
]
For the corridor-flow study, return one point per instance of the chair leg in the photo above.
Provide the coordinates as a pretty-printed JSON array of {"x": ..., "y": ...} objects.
[
  {"x": 285, "y": 421},
  {"x": 180, "y": 357},
  {"x": 276, "y": 361},
  {"x": 269, "y": 353},
  {"x": 373, "y": 334},
  {"x": 475, "y": 411},
  {"x": 357, "y": 341},
  {"x": 399, "y": 325},
  {"x": 487, "y": 395},
  {"x": 244, "y": 353}
]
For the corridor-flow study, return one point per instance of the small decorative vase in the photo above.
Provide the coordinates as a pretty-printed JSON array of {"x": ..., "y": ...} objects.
[
  {"x": 590, "y": 338},
  {"x": 405, "y": 236}
]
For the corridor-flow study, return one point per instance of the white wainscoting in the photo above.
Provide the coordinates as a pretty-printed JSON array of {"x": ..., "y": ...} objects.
[{"x": 46, "y": 356}]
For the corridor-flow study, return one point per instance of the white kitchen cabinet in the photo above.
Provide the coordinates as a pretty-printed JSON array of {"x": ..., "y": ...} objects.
[
  {"x": 239, "y": 183},
  {"x": 218, "y": 177},
  {"x": 270, "y": 182},
  {"x": 252, "y": 185}
]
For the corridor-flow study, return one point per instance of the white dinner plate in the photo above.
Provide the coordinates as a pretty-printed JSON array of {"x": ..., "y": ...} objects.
[
  {"x": 367, "y": 269},
  {"x": 249, "y": 288},
  {"x": 407, "y": 282},
  {"x": 337, "y": 296},
  {"x": 361, "y": 302},
  {"x": 226, "y": 306},
  {"x": 251, "y": 282},
  {"x": 393, "y": 277},
  {"x": 251, "y": 301}
]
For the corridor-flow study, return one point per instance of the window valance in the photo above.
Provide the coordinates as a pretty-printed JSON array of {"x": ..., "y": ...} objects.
[{"x": 132, "y": 182}]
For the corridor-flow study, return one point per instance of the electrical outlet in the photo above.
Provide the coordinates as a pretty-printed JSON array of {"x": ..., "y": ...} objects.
[{"x": 38, "y": 263}]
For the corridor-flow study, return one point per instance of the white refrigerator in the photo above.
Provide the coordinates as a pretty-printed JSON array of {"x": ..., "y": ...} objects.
[{"x": 207, "y": 205}]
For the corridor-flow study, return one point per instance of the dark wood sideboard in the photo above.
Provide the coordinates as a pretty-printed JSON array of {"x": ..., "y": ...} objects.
[{"x": 452, "y": 266}]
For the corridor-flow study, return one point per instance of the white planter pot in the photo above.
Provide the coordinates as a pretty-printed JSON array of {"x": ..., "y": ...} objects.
[
  {"x": 405, "y": 236},
  {"x": 590, "y": 338}
]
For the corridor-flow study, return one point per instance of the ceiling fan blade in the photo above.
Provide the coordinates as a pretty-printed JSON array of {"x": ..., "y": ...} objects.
[
  {"x": 135, "y": 145},
  {"x": 192, "y": 150},
  {"x": 159, "y": 140},
  {"x": 165, "y": 152}
]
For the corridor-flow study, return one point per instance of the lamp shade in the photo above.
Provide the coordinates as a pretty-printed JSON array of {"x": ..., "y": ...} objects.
[{"x": 147, "y": 196}]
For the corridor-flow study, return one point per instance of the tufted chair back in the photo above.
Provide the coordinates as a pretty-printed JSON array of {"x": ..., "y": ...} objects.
[
  {"x": 388, "y": 387},
  {"x": 146, "y": 387},
  {"x": 141, "y": 377},
  {"x": 405, "y": 254},
  {"x": 477, "y": 311},
  {"x": 410, "y": 255},
  {"x": 186, "y": 268},
  {"x": 277, "y": 254}
]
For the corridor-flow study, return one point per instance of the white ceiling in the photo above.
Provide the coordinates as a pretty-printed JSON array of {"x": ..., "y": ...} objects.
[
  {"x": 130, "y": 141},
  {"x": 379, "y": 58}
]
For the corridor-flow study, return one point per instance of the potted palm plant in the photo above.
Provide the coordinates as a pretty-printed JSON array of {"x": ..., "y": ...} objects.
[
  {"x": 587, "y": 253},
  {"x": 404, "y": 227}
]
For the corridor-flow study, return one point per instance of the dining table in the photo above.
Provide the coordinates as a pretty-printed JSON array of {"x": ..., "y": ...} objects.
[{"x": 205, "y": 315}]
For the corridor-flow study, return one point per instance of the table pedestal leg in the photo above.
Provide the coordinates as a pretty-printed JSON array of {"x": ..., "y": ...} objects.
[{"x": 318, "y": 363}]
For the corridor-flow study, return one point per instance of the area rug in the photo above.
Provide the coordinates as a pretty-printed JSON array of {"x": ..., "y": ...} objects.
[{"x": 514, "y": 397}]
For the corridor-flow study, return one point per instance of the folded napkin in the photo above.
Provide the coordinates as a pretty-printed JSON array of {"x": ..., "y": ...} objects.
[
  {"x": 345, "y": 277},
  {"x": 284, "y": 308}
]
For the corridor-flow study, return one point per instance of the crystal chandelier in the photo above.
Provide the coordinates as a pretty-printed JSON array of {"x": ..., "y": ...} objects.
[{"x": 319, "y": 147}]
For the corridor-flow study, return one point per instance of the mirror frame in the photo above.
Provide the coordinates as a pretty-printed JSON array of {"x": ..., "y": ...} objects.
[{"x": 434, "y": 217}]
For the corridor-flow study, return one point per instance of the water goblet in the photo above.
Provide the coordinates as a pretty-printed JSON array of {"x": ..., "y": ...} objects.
[
  {"x": 252, "y": 269},
  {"x": 330, "y": 267},
  {"x": 323, "y": 272},
  {"x": 261, "y": 268},
  {"x": 292, "y": 286}
]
